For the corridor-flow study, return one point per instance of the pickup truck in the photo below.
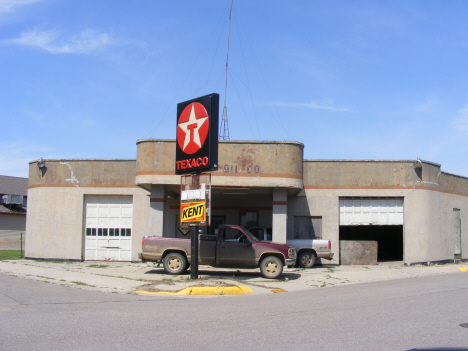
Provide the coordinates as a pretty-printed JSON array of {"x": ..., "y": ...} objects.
[
  {"x": 308, "y": 250},
  {"x": 233, "y": 247}
]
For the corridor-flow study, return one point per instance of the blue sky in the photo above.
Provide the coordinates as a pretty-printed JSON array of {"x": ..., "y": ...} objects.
[{"x": 349, "y": 79}]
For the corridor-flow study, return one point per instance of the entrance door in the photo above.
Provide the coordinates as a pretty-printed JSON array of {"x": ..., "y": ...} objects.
[
  {"x": 108, "y": 230},
  {"x": 249, "y": 219},
  {"x": 457, "y": 233},
  {"x": 216, "y": 221}
]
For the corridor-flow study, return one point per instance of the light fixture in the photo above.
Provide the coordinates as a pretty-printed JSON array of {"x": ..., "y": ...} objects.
[
  {"x": 40, "y": 163},
  {"x": 417, "y": 163}
]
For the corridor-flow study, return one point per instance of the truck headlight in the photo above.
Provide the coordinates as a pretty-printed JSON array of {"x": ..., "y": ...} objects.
[{"x": 291, "y": 253}]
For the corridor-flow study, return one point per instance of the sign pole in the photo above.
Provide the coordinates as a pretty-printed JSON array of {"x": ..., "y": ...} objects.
[
  {"x": 196, "y": 153},
  {"x": 194, "y": 254}
]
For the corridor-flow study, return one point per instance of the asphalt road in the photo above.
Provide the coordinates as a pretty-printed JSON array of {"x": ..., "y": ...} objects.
[{"x": 417, "y": 313}]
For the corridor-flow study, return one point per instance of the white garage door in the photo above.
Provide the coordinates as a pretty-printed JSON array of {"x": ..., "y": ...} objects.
[
  {"x": 371, "y": 211},
  {"x": 108, "y": 232}
]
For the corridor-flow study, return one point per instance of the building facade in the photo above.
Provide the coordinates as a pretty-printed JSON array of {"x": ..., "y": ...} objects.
[{"x": 100, "y": 209}]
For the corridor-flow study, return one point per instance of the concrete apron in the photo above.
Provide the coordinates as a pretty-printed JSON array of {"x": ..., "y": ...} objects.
[{"x": 138, "y": 278}]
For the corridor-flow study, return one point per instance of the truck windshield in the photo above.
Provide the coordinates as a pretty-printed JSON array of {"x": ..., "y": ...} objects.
[{"x": 251, "y": 236}]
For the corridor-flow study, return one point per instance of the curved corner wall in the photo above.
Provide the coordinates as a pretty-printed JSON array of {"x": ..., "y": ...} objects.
[{"x": 240, "y": 163}]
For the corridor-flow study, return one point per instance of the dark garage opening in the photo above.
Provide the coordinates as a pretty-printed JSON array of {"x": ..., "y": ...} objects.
[{"x": 389, "y": 239}]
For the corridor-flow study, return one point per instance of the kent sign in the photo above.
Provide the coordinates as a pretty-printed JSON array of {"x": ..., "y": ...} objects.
[
  {"x": 195, "y": 199},
  {"x": 197, "y": 135},
  {"x": 193, "y": 212}
]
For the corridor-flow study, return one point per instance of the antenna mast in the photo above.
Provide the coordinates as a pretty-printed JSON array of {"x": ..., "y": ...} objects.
[{"x": 224, "y": 131}]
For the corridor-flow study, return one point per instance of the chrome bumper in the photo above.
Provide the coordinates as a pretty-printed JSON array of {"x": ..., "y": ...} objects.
[{"x": 290, "y": 261}]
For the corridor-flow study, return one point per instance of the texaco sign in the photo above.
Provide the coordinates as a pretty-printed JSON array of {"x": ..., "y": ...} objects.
[{"x": 197, "y": 135}]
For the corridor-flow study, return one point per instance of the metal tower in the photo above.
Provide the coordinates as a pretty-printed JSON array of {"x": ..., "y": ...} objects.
[{"x": 224, "y": 129}]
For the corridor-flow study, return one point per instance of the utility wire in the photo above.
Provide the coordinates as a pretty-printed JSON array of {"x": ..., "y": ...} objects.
[
  {"x": 247, "y": 79},
  {"x": 268, "y": 89},
  {"x": 242, "y": 105},
  {"x": 163, "y": 118}
]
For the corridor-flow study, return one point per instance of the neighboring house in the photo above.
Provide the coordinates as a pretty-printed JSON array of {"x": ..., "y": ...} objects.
[{"x": 13, "y": 204}]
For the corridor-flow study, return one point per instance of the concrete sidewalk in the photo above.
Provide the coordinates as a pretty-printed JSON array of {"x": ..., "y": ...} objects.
[{"x": 132, "y": 278}]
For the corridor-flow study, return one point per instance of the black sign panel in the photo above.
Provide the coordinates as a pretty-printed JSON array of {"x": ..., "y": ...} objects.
[{"x": 197, "y": 135}]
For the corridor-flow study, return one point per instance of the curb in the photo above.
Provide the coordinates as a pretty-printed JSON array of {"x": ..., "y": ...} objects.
[{"x": 205, "y": 290}]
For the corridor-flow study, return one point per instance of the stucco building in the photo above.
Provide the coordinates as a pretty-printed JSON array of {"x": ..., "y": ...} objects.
[{"x": 85, "y": 209}]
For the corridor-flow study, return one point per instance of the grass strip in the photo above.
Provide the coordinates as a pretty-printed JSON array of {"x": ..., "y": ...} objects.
[{"x": 11, "y": 255}]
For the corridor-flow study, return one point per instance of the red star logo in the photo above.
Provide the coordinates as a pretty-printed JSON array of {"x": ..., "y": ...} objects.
[{"x": 192, "y": 128}]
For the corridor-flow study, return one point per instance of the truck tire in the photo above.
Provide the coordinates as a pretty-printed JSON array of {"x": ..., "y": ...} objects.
[
  {"x": 271, "y": 267},
  {"x": 174, "y": 263},
  {"x": 306, "y": 259}
]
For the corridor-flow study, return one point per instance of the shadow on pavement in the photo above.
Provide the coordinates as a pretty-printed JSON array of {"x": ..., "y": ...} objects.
[{"x": 229, "y": 274}]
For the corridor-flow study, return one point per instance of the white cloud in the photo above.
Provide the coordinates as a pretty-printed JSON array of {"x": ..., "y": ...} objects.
[
  {"x": 461, "y": 122},
  {"x": 10, "y": 5},
  {"x": 313, "y": 105},
  {"x": 431, "y": 105},
  {"x": 89, "y": 40}
]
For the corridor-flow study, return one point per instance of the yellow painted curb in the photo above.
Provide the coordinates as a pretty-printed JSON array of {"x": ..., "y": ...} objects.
[
  {"x": 463, "y": 269},
  {"x": 205, "y": 290},
  {"x": 276, "y": 291}
]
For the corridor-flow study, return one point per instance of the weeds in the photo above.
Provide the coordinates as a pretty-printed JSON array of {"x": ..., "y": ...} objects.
[
  {"x": 40, "y": 276},
  {"x": 82, "y": 284},
  {"x": 121, "y": 277}
]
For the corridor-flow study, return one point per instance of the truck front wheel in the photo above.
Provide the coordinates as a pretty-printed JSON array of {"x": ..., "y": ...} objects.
[
  {"x": 306, "y": 259},
  {"x": 271, "y": 267},
  {"x": 174, "y": 263}
]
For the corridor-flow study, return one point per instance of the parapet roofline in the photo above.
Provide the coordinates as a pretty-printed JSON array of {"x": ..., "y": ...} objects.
[
  {"x": 228, "y": 142},
  {"x": 383, "y": 161},
  {"x": 84, "y": 159},
  {"x": 453, "y": 175}
]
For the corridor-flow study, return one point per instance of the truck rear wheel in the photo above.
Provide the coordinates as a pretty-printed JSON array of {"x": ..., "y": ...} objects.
[
  {"x": 174, "y": 263},
  {"x": 271, "y": 267},
  {"x": 306, "y": 259}
]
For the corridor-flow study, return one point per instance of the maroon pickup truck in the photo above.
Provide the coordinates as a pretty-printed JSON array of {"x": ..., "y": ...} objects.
[{"x": 233, "y": 247}]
